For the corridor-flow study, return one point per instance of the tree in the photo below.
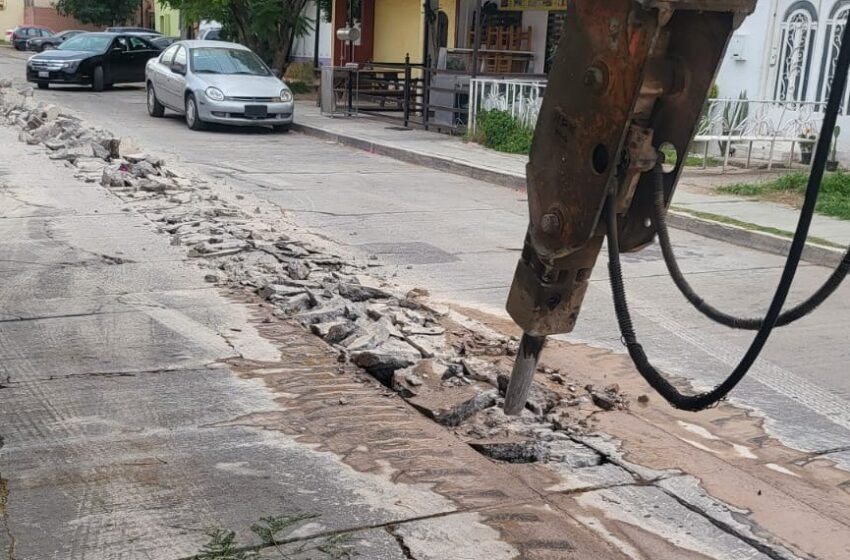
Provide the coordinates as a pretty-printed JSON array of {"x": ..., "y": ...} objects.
[
  {"x": 268, "y": 27},
  {"x": 98, "y": 12}
]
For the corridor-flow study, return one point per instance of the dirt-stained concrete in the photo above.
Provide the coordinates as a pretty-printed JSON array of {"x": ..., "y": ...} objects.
[
  {"x": 800, "y": 498},
  {"x": 153, "y": 404}
]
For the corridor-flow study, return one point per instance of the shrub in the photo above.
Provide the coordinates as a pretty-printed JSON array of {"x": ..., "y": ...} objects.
[
  {"x": 301, "y": 72},
  {"x": 502, "y": 132}
]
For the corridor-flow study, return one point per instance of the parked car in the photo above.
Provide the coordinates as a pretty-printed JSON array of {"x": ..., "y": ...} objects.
[
  {"x": 211, "y": 34},
  {"x": 217, "y": 82},
  {"x": 23, "y": 33},
  {"x": 39, "y": 44},
  {"x": 164, "y": 42},
  {"x": 98, "y": 59},
  {"x": 132, "y": 30}
]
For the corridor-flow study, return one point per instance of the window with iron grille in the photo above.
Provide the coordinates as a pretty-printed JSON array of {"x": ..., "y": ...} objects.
[
  {"x": 832, "y": 41},
  {"x": 796, "y": 46}
]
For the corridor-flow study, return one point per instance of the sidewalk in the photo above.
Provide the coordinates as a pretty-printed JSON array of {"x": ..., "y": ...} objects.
[{"x": 750, "y": 223}]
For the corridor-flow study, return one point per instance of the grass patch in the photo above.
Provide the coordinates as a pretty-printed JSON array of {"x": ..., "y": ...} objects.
[
  {"x": 749, "y": 226},
  {"x": 697, "y": 161},
  {"x": 500, "y": 131},
  {"x": 692, "y": 160},
  {"x": 834, "y": 199}
]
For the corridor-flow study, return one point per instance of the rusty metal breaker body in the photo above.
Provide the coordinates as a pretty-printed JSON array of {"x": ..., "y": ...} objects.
[{"x": 628, "y": 76}]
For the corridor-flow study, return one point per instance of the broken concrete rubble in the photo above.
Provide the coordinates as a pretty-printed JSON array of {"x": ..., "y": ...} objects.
[{"x": 452, "y": 375}]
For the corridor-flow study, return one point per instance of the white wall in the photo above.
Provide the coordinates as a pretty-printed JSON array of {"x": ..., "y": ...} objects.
[
  {"x": 538, "y": 20},
  {"x": 749, "y": 74},
  {"x": 757, "y": 74},
  {"x": 304, "y": 46}
]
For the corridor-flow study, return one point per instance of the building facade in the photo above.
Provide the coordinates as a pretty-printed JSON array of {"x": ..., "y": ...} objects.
[
  {"x": 785, "y": 52},
  {"x": 305, "y": 46},
  {"x": 11, "y": 15},
  {"x": 167, "y": 20},
  {"x": 36, "y": 12}
]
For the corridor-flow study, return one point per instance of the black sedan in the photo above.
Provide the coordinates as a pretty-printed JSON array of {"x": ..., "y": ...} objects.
[
  {"x": 96, "y": 59},
  {"x": 39, "y": 44}
]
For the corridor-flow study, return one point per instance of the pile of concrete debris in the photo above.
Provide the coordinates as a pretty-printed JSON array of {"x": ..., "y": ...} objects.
[{"x": 445, "y": 369}]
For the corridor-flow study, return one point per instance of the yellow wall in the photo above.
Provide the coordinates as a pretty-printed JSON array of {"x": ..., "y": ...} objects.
[
  {"x": 167, "y": 20},
  {"x": 399, "y": 29},
  {"x": 11, "y": 16},
  {"x": 450, "y": 7}
]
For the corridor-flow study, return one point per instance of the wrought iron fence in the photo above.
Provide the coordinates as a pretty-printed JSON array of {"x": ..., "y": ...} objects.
[
  {"x": 522, "y": 98},
  {"x": 771, "y": 130}
]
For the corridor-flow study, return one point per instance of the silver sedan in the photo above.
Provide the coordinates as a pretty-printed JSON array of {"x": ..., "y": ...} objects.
[{"x": 217, "y": 82}]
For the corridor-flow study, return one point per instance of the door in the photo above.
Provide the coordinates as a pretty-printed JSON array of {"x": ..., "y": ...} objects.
[
  {"x": 117, "y": 67},
  {"x": 138, "y": 55},
  {"x": 177, "y": 78},
  {"x": 161, "y": 75}
]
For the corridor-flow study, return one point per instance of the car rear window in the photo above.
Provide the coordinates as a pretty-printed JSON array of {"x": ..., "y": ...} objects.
[{"x": 216, "y": 60}]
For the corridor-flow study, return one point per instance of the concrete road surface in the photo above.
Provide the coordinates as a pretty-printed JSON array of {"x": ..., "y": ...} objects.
[
  {"x": 460, "y": 238},
  {"x": 457, "y": 237}
]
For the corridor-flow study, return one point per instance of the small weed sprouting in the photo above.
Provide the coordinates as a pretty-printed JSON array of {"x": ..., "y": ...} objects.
[{"x": 222, "y": 544}]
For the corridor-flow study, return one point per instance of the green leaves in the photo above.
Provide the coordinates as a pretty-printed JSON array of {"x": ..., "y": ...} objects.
[
  {"x": 269, "y": 527},
  {"x": 268, "y": 27},
  {"x": 98, "y": 12},
  {"x": 222, "y": 544},
  {"x": 502, "y": 132}
]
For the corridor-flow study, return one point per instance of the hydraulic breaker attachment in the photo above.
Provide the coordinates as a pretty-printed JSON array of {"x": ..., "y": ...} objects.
[{"x": 628, "y": 76}]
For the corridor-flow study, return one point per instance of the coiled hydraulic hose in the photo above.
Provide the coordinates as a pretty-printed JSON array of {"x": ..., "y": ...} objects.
[
  {"x": 787, "y": 317},
  {"x": 658, "y": 382}
]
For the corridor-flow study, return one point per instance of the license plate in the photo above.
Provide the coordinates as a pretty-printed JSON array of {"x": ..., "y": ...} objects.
[
  {"x": 256, "y": 111},
  {"x": 43, "y": 74}
]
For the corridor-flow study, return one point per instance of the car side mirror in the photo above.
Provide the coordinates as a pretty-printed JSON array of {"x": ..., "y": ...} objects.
[{"x": 178, "y": 68}]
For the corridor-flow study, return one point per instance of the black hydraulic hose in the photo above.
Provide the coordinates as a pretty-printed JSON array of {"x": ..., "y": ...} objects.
[
  {"x": 787, "y": 317},
  {"x": 647, "y": 370}
]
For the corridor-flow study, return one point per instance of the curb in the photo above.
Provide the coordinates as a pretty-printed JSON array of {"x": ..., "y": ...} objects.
[
  {"x": 425, "y": 160},
  {"x": 760, "y": 241}
]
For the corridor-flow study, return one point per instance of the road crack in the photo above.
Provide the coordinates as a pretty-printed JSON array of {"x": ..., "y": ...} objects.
[{"x": 399, "y": 539}]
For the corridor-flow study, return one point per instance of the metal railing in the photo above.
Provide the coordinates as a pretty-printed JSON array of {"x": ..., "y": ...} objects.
[
  {"x": 417, "y": 95},
  {"x": 764, "y": 125},
  {"x": 521, "y": 97}
]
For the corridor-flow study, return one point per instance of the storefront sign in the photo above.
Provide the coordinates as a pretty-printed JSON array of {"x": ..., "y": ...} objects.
[{"x": 532, "y": 4}]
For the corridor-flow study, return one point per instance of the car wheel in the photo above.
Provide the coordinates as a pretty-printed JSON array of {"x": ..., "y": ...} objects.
[
  {"x": 193, "y": 121},
  {"x": 155, "y": 108},
  {"x": 97, "y": 82},
  {"x": 43, "y": 85},
  {"x": 282, "y": 127}
]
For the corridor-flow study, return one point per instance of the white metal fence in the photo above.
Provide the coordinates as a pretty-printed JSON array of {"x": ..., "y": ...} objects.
[
  {"x": 770, "y": 131},
  {"x": 737, "y": 132},
  {"x": 521, "y": 98}
]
